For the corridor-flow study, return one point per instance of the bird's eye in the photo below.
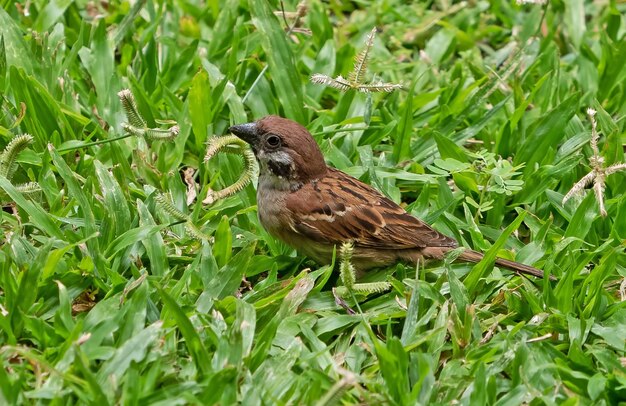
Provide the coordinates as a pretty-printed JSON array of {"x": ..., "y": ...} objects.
[{"x": 273, "y": 141}]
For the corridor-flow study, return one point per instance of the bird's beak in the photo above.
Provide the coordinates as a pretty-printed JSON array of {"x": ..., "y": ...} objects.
[{"x": 247, "y": 132}]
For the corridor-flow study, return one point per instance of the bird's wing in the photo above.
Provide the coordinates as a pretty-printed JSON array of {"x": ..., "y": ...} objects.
[{"x": 339, "y": 208}]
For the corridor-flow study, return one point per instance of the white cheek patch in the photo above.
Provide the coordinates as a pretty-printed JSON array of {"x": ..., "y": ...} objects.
[
  {"x": 280, "y": 157},
  {"x": 278, "y": 170},
  {"x": 277, "y": 163}
]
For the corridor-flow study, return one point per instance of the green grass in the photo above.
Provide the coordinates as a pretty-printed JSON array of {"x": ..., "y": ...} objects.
[{"x": 107, "y": 298}]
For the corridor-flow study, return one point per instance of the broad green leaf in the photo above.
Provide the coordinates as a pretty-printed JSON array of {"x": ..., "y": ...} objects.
[
  {"x": 132, "y": 236},
  {"x": 49, "y": 118},
  {"x": 404, "y": 131},
  {"x": 133, "y": 350},
  {"x": 229, "y": 277},
  {"x": 223, "y": 242},
  {"x": 77, "y": 192},
  {"x": 287, "y": 82},
  {"x": 480, "y": 269},
  {"x": 194, "y": 344},
  {"x": 114, "y": 202},
  {"x": 154, "y": 244},
  {"x": 38, "y": 216},
  {"x": 16, "y": 50},
  {"x": 51, "y": 13},
  {"x": 546, "y": 133},
  {"x": 3, "y": 63},
  {"x": 448, "y": 149},
  {"x": 288, "y": 307},
  {"x": 201, "y": 106}
]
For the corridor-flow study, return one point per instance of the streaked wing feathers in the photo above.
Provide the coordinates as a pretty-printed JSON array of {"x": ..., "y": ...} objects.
[{"x": 339, "y": 208}]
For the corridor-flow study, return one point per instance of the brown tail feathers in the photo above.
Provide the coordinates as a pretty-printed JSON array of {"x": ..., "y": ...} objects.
[{"x": 473, "y": 256}]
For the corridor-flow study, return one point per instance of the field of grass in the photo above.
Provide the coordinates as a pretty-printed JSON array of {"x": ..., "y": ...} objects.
[{"x": 117, "y": 287}]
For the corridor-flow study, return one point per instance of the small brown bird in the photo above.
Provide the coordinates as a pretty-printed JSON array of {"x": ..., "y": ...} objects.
[{"x": 313, "y": 207}]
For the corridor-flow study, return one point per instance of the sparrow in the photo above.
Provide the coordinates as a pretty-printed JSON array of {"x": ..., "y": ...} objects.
[{"x": 314, "y": 208}]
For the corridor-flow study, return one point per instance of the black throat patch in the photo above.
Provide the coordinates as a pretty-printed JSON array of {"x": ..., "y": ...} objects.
[{"x": 281, "y": 169}]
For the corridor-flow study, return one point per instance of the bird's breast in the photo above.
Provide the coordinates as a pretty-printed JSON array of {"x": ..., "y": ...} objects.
[
  {"x": 277, "y": 220},
  {"x": 271, "y": 206}
]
